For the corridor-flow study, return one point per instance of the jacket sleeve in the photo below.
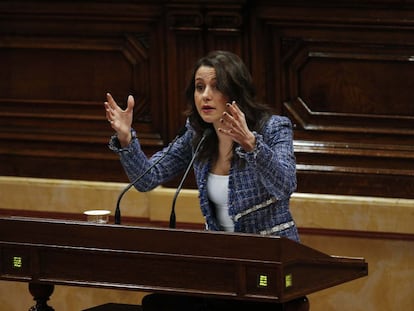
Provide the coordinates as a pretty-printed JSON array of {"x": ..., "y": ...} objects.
[
  {"x": 273, "y": 157},
  {"x": 135, "y": 162}
]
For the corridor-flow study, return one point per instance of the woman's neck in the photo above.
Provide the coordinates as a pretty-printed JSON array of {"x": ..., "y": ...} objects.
[{"x": 225, "y": 153}]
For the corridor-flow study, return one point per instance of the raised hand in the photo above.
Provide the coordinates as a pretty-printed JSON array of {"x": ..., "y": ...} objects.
[
  {"x": 235, "y": 126},
  {"x": 120, "y": 120}
]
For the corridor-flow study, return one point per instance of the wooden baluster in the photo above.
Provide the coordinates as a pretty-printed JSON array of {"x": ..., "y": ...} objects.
[{"x": 41, "y": 294}]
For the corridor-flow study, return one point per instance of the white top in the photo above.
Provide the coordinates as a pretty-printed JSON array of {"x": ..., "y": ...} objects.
[{"x": 217, "y": 191}]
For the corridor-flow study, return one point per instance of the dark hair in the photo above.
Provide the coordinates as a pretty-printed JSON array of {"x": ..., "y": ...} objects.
[{"x": 235, "y": 82}]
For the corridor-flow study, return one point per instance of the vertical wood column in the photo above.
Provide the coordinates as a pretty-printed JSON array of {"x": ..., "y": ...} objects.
[{"x": 192, "y": 31}]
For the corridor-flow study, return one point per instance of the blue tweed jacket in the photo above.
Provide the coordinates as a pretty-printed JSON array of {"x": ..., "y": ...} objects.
[{"x": 259, "y": 191}]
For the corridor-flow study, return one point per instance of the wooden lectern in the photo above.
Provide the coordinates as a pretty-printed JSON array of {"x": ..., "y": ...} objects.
[{"x": 45, "y": 252}]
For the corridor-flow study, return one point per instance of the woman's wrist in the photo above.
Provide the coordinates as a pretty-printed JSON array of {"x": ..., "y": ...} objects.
[
  {"x": 250, "y": 143},
  {"x": 124, "y": 138}
]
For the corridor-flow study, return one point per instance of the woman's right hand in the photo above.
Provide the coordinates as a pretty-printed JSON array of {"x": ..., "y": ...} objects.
[{"x": 120, "y": 120}]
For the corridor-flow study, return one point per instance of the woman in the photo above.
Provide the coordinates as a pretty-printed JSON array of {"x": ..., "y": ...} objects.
[{"x": 245, "y": 170}]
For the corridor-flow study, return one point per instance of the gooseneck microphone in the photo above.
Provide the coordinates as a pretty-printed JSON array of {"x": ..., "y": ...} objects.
[
  {"x": 206, "y": 133},
  {"x": 118, "y": 209}
]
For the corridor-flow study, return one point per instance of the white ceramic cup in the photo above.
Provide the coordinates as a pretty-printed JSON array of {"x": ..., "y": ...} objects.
[{"x": 97, "y": 216}]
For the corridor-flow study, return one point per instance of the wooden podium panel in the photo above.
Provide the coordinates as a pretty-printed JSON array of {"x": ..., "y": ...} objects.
[{"x": 204, "y": 263}]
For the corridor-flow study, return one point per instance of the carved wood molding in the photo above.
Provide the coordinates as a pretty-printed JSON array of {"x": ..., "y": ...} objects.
[
  {"x": 309, "y": 120},
  {"x": 185, "y": 20},
  {"x": 345, "y": 91},
  {"x": 23, "y": 110},
  {"x": 211, "y": 19},
  {"x": 343, "y": 75},
  {"x": 224, "y": 21}
]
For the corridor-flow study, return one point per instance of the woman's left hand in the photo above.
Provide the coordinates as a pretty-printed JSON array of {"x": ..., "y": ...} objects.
[{"x": 235, "y": 126}]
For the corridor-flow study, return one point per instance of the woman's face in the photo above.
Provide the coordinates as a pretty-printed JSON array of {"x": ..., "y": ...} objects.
[{"x": 209, "y": 101}]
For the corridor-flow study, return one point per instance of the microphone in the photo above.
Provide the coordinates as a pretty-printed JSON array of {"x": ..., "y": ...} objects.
[
  {"x": 206, "y": 133},
  {"x": 118, "y": 209}
]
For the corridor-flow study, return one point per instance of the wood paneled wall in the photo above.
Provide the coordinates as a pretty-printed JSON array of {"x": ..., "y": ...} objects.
[{"x": 342, "y": 72}]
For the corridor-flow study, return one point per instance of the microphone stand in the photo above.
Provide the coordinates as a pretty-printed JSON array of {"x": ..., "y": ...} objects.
[
  {"x": 118, "y": 209},
  {"x": 172, "y": 215}
]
